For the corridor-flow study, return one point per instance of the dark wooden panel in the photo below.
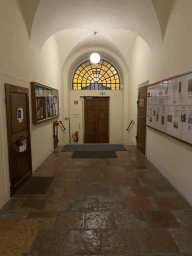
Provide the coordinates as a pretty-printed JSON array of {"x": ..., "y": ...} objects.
[
  {"x": 18, "y": 131},
  {"x": 96, "y": 120},
  {"x": 55, "y": 134},
  {"x": 141, "y": 119},
  {"x": 90, "y": 120},
  {"x": 102, "y": 120}
]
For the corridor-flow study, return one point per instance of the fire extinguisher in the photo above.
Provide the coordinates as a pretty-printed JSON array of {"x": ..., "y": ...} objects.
[{"x": 75, "y": 136}]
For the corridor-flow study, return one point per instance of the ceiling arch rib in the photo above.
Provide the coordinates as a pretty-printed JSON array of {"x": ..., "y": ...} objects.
[
  {"x": 28, "y": 9},
  {"x": 163, "y": 9},
  {"x": 133, "y": 15},
  {"x": 102, "y": 43}
]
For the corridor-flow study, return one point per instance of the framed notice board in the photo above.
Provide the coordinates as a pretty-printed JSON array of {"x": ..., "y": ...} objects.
[
  {"x": 45, "y": 102},
  {"x": 169, "y": 107}
]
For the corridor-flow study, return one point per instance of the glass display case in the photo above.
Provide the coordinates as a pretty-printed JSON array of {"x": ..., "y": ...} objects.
[{"x": 45, "y": 102}]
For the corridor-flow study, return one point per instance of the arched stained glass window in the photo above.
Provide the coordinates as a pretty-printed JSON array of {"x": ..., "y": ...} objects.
[{"x": 101, "y": 76}]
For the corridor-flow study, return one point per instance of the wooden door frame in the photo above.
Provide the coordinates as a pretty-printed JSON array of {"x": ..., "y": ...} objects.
[
  {"x": 145, "y": 84},
  {"x": 83, "y": 119},
  {"x": 18, "y": 89}
]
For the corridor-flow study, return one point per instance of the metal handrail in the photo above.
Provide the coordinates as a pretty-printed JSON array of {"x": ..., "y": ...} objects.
[
  {"x": 61, "y": 124},
  {"x": 132, "y": 122}
]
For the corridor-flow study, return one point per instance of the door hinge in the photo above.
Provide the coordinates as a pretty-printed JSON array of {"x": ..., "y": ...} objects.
[
  {"x": 136, "y": 137},
  {"x": 5, "y": 102}
]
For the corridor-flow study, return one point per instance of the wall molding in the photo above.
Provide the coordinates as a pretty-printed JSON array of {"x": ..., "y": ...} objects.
[
  {"x": 21, "y": 79},
  {"x": 187, "y": 194}
]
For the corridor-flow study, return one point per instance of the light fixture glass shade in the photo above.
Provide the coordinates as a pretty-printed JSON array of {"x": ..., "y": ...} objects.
[{"x": 95, "y": 58}]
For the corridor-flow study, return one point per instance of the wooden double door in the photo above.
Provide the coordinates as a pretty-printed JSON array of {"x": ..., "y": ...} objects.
[
  {"x": 96, "y": 116},
  {"x": 18, "y": 130}
]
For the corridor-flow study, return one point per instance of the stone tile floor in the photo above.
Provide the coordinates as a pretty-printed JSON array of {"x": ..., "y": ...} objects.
[{"x": 111, "y": 207}]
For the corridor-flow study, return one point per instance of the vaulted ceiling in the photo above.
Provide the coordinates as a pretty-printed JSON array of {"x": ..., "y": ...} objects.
[
  {"x": 118, "y": 23},
  {"x": 163, "y": 10}
]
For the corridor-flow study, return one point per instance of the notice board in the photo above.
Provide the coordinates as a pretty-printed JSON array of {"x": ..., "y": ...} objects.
[{"x": 169, "y": 107}]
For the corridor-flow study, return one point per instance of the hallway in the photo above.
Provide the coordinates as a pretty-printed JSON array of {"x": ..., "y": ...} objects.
[{"x": 119, "y": 206}]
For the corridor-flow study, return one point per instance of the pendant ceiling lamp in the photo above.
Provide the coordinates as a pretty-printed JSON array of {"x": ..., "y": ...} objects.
[{"x": 95, "y": 57}]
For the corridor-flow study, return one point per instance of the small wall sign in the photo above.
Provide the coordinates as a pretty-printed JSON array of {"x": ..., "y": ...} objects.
[
  {"x": 20, "y": 115},
  {"x": 102, "y": 93},
  {"x": 75, "y": 102}
]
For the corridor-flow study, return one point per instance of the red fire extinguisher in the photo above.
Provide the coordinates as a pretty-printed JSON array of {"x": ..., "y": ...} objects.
[{"x": 75, "y": 136}]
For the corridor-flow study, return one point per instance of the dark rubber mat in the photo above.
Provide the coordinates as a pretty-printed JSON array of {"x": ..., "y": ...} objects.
[
  {"x": 36, "y": 185},
  {"x": 94, "y": 154},
  {"x": 93, "y": 147}
]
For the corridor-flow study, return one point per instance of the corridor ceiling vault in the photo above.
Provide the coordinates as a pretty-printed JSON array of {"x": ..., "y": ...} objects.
[{"x": 146, "y": 18}]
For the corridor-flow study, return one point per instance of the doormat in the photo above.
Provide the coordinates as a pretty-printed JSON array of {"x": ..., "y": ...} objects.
[
  {"x": 36, "y": 185},
  {"x": 93, "y": 147},
  {"x": 94, "y": 154}
]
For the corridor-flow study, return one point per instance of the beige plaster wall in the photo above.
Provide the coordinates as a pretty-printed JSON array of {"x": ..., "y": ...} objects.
[
  {"x": 115, "y": 114},
  {"x": 21, "y": 63},
  {"x": 173, "y": 158},
  {"x": 118, "y": 112}
]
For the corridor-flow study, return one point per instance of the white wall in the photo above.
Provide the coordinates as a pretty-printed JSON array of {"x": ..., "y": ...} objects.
[
  {"x": 21, "y": 63},
  {"x": 173, "y": 158}
]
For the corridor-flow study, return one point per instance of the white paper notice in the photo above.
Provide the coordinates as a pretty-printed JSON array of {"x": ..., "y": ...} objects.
[{"x": 169, "y": 107}]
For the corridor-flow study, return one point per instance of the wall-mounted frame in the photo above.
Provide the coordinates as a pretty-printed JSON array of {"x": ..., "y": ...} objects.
[
  {"x": 45, "y": 102},
  {"x": 169, "y": 107}
]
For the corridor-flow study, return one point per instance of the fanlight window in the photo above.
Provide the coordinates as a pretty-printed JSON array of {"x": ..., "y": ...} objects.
[{"x": 101, "y": 76}]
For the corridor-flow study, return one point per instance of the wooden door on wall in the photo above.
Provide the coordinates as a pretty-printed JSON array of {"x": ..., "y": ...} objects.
[
  {"x": 18, "y": 131},
  {"x": 96, "y": 110},
  {"x": 55, "y": 134},
  {"x": 141, "y": 118}
]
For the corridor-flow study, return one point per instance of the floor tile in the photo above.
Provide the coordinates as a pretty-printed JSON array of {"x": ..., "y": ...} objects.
[
  {"x": 8, "y": 225},
  {"x": 82, "y": 242},
  {"x": 69, "y": 220},
  {"x": 138, "y": 203},
  {"x": 48, "y": 242},
  {"x": 131, "y": 220},
  {"x": 84, "y": 204},
  {"x": 156, "y": 241},
  {"x": 119, "y": 242},
  {"x": 129, "y": 182},
  {"x": 109, "y": 204},
  {"x": 48, "y": 223},
  {"x": 57, "y": 205},
  {"x": 172, "y": 203},
  {"x": 183, "y": 239},
  {"x": 110, "y": 241},
  {"x": 19, "y": 240},
  {"x": 32, "y": 205},
  {"x": 100, "y": 220},
  {"x": 145, "y": 191},
  {"x": 13, "y": 215},
  {"x": 38, "y": 215},
  {"x": 108, "y": 207},
  {"x": 11, "y": 206},
  {"x": 161, "y": 219},
  {"x": 184, "y": 217}
]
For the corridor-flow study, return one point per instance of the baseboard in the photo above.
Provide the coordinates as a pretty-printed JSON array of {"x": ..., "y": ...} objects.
[
  {"x": 175, "y": 183},
  {"x": 4, "y": 198},
  {"x": 38, "y": 163}
]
